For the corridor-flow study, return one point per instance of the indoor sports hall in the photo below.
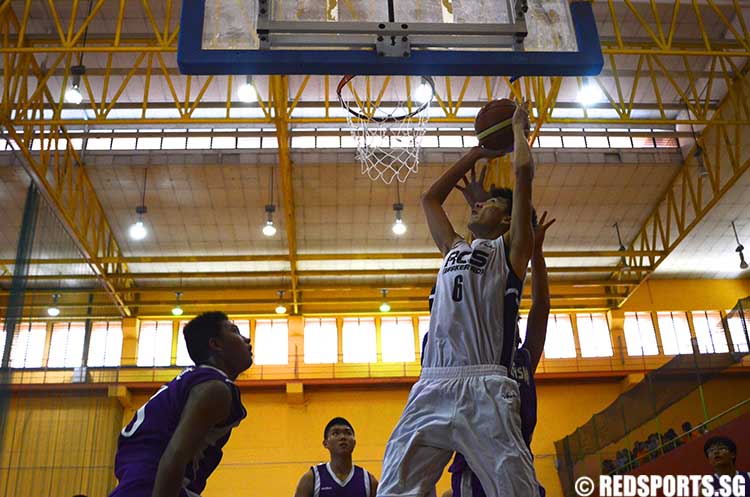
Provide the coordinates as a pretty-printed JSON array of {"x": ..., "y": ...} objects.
[{"x": 265, "y": 158}]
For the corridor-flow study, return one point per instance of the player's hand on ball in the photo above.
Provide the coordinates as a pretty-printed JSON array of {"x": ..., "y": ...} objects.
[
  {"x": 474, "y": 190},
  {"x": 521, "y": 117}
]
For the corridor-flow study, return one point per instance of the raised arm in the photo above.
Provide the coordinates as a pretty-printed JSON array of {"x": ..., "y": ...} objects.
[
  {"x": 432, "y": 200},
  {"x": 209, "y": 404},
  {"x": 536, "y": 327},
  {"x": 521, "y": 236}
]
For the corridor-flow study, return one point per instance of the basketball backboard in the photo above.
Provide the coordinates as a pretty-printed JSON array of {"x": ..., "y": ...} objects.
[{"x": 394, "y": 37}]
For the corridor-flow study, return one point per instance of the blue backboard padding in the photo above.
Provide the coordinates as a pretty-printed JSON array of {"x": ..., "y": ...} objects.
[{"x": 192, "y": 59}]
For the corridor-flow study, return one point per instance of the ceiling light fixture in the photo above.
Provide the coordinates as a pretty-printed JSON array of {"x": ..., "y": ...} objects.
[
  {"x": 73, "y": 93},
  {"x": 740, "y": 248},
  {"x": 281, "y": 308},
  {"x": 53, "y": 311},
  {"x": 590, "y": 93},
  {"x": 138, "y": 230},
  {"x": 177, "y": 310},
  {"x": 425, "y": 92},
  {"x": 247, "y": 92},
  {"x": 384, "y": 306},
  {"x": 398, "y": 227},
  {"x": 269, "y": 229},
  {"x": 698, "y": 152},
  {"x": 623, "y": 260}
]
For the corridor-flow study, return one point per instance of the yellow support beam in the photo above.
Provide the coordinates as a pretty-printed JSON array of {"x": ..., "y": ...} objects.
[
  {"x": 280, "y": 92},
  {"x": 698, "y": 186}
]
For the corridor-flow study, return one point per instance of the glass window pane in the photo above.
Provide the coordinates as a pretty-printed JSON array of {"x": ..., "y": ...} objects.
[
  {"x": 229, "y": 142},
  {"x": 27, "y": 349},
  {"x": 560, "y": 343},
  {"x": 303, "y": 141},
  {"x": 321, "y": 341},
  {"x": 66, "y": 345},
  {"x": 271, "y": 342},
  {"x": 328, "y": 142},
  {"x": 155, "y": 344},
  {"x": 709, "y": 332},
  {"x": 358, "y": 336},
  {"x": 244, "y": 326},
  {"x": 451, "y": 141},
  {"x": 640, "y": 337},
  {"x": 550, "y": 141},
  {"x": 643, "y": 142},
  {"x": 105, "y": 346},
  {"x": 523, "y": 323},
  {"x": 397, "y": 339},
  {"x": 574, "y": 142},
  {"x": 183, "y": 358},
  {"x": 620, "y": 142},
  {"x": 737, "y": 330},
  {"x": 593, "y": 335},
  {"x": 423, "y": 326},
  {"x": 674, "y": 332},
  {"x": 597, "y": 142}
]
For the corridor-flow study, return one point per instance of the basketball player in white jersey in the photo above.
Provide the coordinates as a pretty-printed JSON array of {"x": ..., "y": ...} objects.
[{"x": 464, "y": 400}]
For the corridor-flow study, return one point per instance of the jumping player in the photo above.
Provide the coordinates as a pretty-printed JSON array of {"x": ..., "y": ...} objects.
[
  {"x": 174, "y": 441},
  {"x": 338, "y": 477},
  {"x": 464, "y": 400},
  {"x": 464, "y": 483}
]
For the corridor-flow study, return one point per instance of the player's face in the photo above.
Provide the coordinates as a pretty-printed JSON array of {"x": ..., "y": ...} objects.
[
  {"x": 340, "y": 440},
  {"x": 719, "y": 455},
  {"x": 489, "y": 215},
  {"x": 238, "y": 353}
]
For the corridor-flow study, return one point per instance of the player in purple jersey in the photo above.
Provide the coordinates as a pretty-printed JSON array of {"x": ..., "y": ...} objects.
[
  {"x": 338, "y": 477},
  {"x": 174, "y": 441}
]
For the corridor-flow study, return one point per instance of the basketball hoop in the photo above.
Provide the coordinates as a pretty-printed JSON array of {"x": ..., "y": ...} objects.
[{"x": 388, "y": 135}]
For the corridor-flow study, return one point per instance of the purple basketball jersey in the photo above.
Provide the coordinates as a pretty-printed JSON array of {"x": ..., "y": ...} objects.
[
  {"x": 143, "y": 441},
  {"x": 327, "y": 484}
]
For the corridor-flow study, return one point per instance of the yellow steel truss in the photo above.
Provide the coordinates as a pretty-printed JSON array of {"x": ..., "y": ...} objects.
[{"x": 656, "y": 63}]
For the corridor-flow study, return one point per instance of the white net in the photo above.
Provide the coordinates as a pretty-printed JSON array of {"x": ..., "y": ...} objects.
[{"x": 387, "y": 135}]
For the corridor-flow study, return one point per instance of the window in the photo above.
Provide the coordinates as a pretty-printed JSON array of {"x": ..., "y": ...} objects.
[
  {"x": 66, "y": 345},
  {"x": 321, "y": 341},
  {"x": 423, "y": 326},
  {"x": 105, "y": 345},
  {"x": 27, "y": 349},
  {"x": 271, "y": 342},
  {"x": 155, "y": 344},
  {"x": 593, "y": 335},
  {"x": 640, "y": 337},
  {"x": 244, "y": 326},
  {"x": 523, "y": 323},
  {"x": 397, "y": 339},
  {"x": 709, "y": 332},
  {"x": 738, "y": 332},
  {"x": 675, "y": 333},
  {"x": 358, "y": 336},
  {"x": 183, "y": 358},
  {"x": 560, "y": 343}
]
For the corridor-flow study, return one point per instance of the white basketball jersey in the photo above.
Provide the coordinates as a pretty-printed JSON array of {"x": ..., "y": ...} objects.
[{"x": 467, "y": 318}]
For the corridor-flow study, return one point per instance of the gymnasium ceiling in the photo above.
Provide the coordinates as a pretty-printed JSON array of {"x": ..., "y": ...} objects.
[{"x": 334, "y": 250}]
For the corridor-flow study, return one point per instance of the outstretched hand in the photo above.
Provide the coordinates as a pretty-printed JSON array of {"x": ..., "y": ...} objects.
[
  {"x": 473, "y": 189},
  {"x": 540, "y": 231}
]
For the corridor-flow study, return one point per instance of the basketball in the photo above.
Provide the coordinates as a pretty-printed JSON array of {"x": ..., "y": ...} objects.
[{"x": 493, "y": 125}]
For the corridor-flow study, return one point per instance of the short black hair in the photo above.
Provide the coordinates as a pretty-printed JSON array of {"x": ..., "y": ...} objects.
[
  {"x": 507, "y": 194},
  {"x": 720, "y": 440},
  {"x": 336, "y": 421},
  {"x": 199, "y": 331},
  {"x": 504, "y": 193}
]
